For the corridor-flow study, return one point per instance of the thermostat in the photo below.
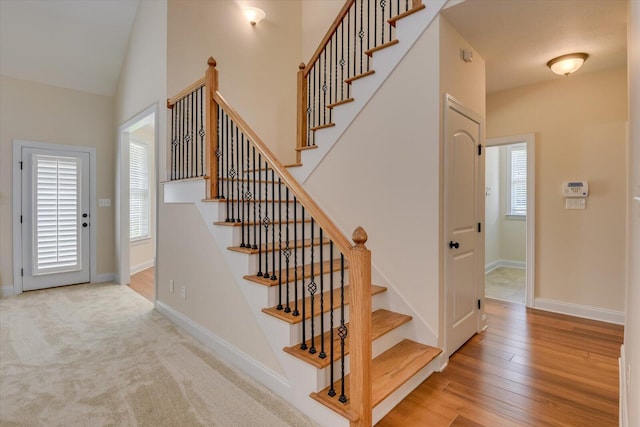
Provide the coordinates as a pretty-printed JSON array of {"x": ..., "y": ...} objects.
[{"x": 575, "y": 189}]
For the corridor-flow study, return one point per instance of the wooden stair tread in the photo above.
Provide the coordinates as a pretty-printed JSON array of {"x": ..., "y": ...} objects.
[
  {"x": 290, "y": 318},
  {"x": 411, "y": 11},
  {"x": 269, "y": 247},
  {"x": 324, "y": 126},
  {"x": 307, "y": 147},
  {"x": 382, "y": 322},
  {"x": 373, "y": 50},
  {"x": 359, "y": 76},
  {"x": 389, "y": 371},
  {"x": 238, "y": 224},
  {"x": 344, "y": 101},
  {"x": 327, "y": 266}
]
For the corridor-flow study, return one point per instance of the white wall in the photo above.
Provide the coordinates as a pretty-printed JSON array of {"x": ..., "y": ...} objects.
[
  {"x": 632, "y": 327},
  {"x": 317, "y": 16},
  {"x": 38, "y": 112},
  {"x": 492, "y": 206},
  {"x": 580, "y": 127}
]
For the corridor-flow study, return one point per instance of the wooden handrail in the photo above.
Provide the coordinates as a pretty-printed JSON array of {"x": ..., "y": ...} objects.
[
  {"x": 303, "y": 197},
  {"x": 327, "y": 37},
  {"x": 186, "y": 91}
]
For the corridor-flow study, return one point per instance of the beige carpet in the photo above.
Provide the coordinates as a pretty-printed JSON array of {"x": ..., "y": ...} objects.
[
  {"x": 505, "y": 284},
  {"x": 98, "y": 355}
]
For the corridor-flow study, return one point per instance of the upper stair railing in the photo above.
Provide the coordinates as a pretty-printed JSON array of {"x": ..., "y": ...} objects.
[
  {"x": 361, "y": 28},
  {"x": 315, "y": 268}
]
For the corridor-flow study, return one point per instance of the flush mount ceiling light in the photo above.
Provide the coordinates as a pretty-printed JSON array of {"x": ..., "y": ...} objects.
[
  {"x": 567, "y": 64},
  {"x": 253, "y": 14}
]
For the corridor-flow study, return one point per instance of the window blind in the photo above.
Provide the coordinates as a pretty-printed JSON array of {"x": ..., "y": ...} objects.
[
  {"x": 518, "y": 180},
  {"x": 56, "y": 212},
  {"x": 138, "y": 190}
]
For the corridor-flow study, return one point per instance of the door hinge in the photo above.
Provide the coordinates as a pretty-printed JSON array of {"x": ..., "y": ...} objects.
[
  {"x": 478, "y": 304},
  {"x": 22, "y": 272},
  {"x": 479, "y": 227},
  {"x": 20, "y": 165},
  {"x": 20, "y": 219},
  {"x": 479, "y": 149}
]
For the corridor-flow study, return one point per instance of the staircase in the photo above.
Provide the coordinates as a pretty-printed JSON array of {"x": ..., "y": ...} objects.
[{"x": 348, "y": 357}]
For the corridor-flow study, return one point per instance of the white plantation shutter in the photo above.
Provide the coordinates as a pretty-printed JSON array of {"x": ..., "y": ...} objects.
[
  {"x": 517, "y": 180},
  {"x": 138, "y": 190},
  {"x": 56, "y": 245}
]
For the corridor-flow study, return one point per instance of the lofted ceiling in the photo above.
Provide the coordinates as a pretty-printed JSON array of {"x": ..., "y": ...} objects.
[
  {"x": 517, "y": 38},
  {"x": 76, "y": 44}
]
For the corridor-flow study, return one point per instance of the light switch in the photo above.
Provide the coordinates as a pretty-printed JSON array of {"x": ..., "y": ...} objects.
[
  {"x": 104, "y": 203},
  {"x": 575, "y": 203}
]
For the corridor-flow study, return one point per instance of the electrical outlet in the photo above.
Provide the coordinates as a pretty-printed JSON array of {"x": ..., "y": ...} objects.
[
  {"x": 171, "y": 285},
  {"x": 183, "y": 292}
]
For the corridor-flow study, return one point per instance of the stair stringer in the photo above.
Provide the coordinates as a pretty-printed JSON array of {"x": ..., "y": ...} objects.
[
  {"x": 408, "y": 31},
  {"x": 300, "y": 378}
]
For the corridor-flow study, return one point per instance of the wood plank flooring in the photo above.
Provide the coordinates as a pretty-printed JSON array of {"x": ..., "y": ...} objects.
[
  {"x": 529, "y": 368},
  {"x": 142, "y": 283}
]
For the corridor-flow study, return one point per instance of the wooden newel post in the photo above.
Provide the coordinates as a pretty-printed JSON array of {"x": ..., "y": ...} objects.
[
  {"x": 301, "y": 133},
  {"x": 360, "y": 329},
  {"x": 211, "y": 137}
]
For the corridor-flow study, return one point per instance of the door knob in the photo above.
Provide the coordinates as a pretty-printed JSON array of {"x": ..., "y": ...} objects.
[{"x": 454, "y": 245}]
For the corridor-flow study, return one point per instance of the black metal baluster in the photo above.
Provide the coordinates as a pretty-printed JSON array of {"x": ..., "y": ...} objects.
[
  {"x": 266, "y": 221},
  {"x": 303, "y": 346},
  {"x": 196, "y": 145},
  {"x": 179, "y": 143},
  {"x": 332, "y": 391},
  {"x": 273, "y": 227},
  {"x": 192, "y": 136},
  {"x": 233, "y": 171},
  {"x": 309, "y": 111},
  {"x": 295, "y": 256},
  {"x": 248, "y": 195},
  {"x": 375, "y": 21},
  {"x": 229, "y": 200},
  {"x": 324, "y": 88},
  {"x": 241, "y": 192},
  {"x": 322, "y": 354},
  {"x": 369, "y": 27},
  {"x": 390, "y": 27},
  {"x": 382, "y": 6},
  {"x": 187, "y": 137},
  {"x": 342, "y": 63},
  {"x": 361, "y": 36},
  {"x": 238, "y": 177},
  {"x": 280, "y": 250},
  {"x": 312, "y": 291},
  {"x": 287, "y": 251},
  {"x": 202, "y": 133},
  {"x": 173, "y": 143},
  {"x": 257, "y": 198},
  {"x": 342, "y": 330},
  {"x": 355, "y": 52},
  {"x": 219, "y": 150}
]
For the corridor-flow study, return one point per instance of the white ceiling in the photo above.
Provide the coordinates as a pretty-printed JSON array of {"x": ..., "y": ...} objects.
[
  {"x": 76, "y": 44},
  {"x": 517, "y": 38}
]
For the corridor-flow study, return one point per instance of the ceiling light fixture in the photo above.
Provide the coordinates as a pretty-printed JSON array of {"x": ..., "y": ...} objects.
[
  {"x": 567, "y": 64},
  {"x": 254, "y": 15}
]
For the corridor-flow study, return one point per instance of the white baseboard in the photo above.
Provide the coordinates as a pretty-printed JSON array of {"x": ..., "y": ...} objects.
[
  {"x": 6, "y": 291},
  {"x": 488, "y": 268},
  {"x": 226, "y": 351},
  {"x": 585, "y": 311},
  {"x": 104, "y": 278},
  {"x": 143, "y": 266}
]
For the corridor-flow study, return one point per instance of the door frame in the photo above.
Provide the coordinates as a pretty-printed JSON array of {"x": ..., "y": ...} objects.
[
  {"x": 450, "y": 102},
  {"x": 123, "y": 275},
  {"x": 18, "y": 145},
  {"x": 530, "y": 140}
]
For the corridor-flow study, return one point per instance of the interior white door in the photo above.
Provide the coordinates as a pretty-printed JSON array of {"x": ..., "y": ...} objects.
[
  {"x": 56, "y": 217},
  {"x": 462, "y": 219}
]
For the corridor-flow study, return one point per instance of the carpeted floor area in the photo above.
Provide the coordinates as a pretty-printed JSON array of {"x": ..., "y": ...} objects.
[
  {"x": 505, "y": 284},
  {"x": 98, "y": 355}
]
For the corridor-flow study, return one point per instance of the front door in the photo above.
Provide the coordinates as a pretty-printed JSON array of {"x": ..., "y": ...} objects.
[
  {"x": 55, "y": 218},
  {"x": 463, "y": 243}
]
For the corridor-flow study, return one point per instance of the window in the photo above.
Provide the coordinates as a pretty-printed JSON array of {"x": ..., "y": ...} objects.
[
  {"x": 138, "y": 190},
  {"x": 517, "y": 180}
]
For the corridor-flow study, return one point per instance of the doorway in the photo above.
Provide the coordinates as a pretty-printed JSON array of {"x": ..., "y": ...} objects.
[
  {"x": 509, "y": 219},
  {"x": 52, "y": 208},
  {"x": 137, "y": 203}
]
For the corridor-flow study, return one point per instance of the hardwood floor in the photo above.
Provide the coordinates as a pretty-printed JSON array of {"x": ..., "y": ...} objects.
[
  {"x": 142, "y": 283},
  {"x": 529, "y": 368}
]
